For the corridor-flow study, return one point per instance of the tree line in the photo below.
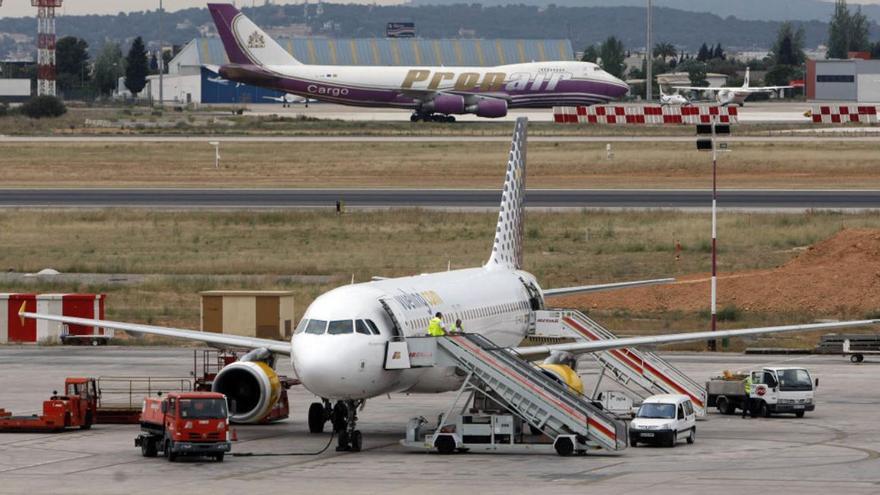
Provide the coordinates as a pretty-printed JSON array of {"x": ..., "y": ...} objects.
[{"x": 78, "y": 76}]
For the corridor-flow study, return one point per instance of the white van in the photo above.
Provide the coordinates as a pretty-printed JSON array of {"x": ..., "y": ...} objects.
[{"x": 664, "y": 419}]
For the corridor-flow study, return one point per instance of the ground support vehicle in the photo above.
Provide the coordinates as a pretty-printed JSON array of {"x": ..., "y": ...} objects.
[
  {"x": 76, "y": 408},
  {"x": 664, "y": 419},
  {"x": 505, "y": 393},
  {"x": 185, "y": 424},
  {"x": 775, "y": 390},
  {"x": 857, "y": 355}
]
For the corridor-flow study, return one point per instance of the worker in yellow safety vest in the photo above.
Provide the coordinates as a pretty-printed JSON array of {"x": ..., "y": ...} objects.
[
  {"x": 747, "y": 403},
  {"x": 457, "y": 327},
  {"x": 436, "y": 328}
]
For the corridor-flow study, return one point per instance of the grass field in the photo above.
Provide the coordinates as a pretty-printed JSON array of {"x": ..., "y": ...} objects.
[
  {"x": 436, "y": 165},
  {"x": 188, "y": 249}
]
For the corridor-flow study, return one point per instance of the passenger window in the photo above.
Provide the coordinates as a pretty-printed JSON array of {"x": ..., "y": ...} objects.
[
  {"x": 339, "y": 327},
  {"x": 316, "y": 327},
  {"x": 688, "y": 408},
  {"x": 302, "y": 326},
  {"x": 361, "y": 327},
  {"x": 680, "y": 412}
]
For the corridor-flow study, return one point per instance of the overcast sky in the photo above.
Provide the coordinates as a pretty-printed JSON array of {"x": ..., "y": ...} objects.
[{"x": 20, "y": 8}]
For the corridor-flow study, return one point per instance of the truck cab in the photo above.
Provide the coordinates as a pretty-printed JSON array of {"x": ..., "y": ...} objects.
[
  {"x": 783, "y": 390},
  {"x": 191, "y": 423},
  {"x": 82, "y": 393}
]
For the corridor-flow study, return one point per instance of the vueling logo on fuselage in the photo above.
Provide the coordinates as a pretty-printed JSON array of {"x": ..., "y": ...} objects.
[
  {"x": 426, "y": 299},
  {"x": 486, "y": 82}
]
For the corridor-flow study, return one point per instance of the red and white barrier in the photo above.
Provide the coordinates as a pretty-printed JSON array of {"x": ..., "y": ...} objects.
[
  {"x": 645, "y": 114},
  {"x": 13, "y": 329},
  {"x": 843, "y": 114}
]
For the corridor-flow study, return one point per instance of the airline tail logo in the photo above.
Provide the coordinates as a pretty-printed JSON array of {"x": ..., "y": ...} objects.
[{"x": 256, "y": 41}]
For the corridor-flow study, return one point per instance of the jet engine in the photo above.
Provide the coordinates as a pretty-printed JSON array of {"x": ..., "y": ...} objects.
[
  {"x": 560, "y": 366},
  {"x": 492, "y": 108},
  {"x": 564, "y": 374},
  {"x": 251, "y": 387},
  {"x": 725, "y": 97},
  {"x": 445, "y": 104}
]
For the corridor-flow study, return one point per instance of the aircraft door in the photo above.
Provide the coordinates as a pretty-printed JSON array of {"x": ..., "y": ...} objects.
[
  {"x": 536, "y": 302},
  {"x": 394, "y": 321}
]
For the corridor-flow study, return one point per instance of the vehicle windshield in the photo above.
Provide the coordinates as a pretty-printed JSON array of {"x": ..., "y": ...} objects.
[
  {"x": 793, "y": 380},
  {"x": 657, "y": 411},
  {"x": 202, "y": 408}
]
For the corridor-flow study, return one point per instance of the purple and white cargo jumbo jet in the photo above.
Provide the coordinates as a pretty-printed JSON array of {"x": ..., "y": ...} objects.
[{"x": 432, "y": 93}]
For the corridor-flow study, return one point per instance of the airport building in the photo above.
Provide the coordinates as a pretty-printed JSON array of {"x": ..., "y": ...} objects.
[
  {"x": 189, "y": 81},
  {"x": 854, "y": 80}
]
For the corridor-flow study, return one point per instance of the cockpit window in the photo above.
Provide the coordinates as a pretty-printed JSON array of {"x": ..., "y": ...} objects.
[
  {"x": 302, "y": 326},
  {"x": 361, "y": 327},
  {"x": 340, "y": 327},
  {"x": 373, "y": 327},
  {"x": 316, "y": 327}
]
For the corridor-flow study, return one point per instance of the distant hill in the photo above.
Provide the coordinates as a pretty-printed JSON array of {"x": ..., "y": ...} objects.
[
  {"x": 750, "y": 10},
  {"x": 583, "y": 25}
]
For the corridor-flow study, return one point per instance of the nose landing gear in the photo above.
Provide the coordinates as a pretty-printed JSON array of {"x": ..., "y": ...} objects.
[
  {"x": 319, "y": 413},
  {"x": 345, "y": 425}
]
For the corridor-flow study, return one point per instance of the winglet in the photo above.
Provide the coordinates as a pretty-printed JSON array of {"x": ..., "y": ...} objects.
[{"x": 21, "y": 311}]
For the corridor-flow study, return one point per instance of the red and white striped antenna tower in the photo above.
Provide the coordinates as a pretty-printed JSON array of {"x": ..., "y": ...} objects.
[{"x": 46, "y": 45}]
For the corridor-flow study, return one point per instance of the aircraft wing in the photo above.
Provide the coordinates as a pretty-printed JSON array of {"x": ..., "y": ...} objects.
[
  {"x": 700, "y": 88},
  {"x": 276, "y": 346},
  {"x": 763, "y": 89},
  {"x": 604, "y": 345},
  {"x": 565, "y": 291}
]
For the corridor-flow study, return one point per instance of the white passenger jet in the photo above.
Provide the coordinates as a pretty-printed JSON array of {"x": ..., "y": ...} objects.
[
  {"x": 675, "y": 99},
  {"x": 727, "y": 95},
  {"x": 288, "y": 100},
  {"x": 338, "y": 349}
]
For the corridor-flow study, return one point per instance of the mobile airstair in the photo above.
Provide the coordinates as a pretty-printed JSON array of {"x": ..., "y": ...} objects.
[
  {"x": 641, "y": 372},
  {"x": 517, "y": 386}
]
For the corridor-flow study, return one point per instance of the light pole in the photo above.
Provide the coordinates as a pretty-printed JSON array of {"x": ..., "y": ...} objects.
[
  {"x": 649, "y": 56},
  {"x": 161, "y": 58},
  {"x": 706, "y": 145}
]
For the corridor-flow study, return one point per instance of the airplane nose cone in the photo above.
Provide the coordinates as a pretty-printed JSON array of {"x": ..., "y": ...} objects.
[
  {"x": 341, "y": 367},
  {"x": 621, "y": 88}
]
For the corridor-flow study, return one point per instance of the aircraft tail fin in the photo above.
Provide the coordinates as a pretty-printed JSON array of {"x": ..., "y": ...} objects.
[
  {"x": 244, "y": 41},
  {"x": 507, "y": 251}
]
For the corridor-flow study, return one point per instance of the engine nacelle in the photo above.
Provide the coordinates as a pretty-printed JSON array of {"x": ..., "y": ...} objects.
[
  {"x": 564, "y": 374},
  {"x": 251, "y": 387},
  {"x": 445, "y": 104},
  {"x": 492, "y": 108}
]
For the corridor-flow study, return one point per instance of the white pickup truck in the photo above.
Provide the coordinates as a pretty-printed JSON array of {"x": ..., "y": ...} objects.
[{"x": 774, "y": 390}]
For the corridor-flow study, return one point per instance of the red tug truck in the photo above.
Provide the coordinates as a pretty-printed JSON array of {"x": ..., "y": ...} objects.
[
  {"x": 185, "y": 424},
  {"x": 76, "y": 408}
]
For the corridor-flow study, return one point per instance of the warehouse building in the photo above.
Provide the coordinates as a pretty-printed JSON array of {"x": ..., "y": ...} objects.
[
  {"x": 189, "y": 81},
  {"x": 263, "y": 314},
  {"x": 855, "y": 80}
]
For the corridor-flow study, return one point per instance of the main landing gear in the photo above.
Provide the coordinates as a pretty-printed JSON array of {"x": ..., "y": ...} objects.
[
  {"x": 343, "y": 417},
  {"x": 434, "y": 117}
]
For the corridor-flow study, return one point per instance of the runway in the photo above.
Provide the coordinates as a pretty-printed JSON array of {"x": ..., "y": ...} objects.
[
  {"x": 433, "y": 198},
  {"x": 788, "y": 138}
]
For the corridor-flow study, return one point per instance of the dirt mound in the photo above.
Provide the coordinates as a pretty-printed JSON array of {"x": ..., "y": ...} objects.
[{"x": 839, "y": 274}]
